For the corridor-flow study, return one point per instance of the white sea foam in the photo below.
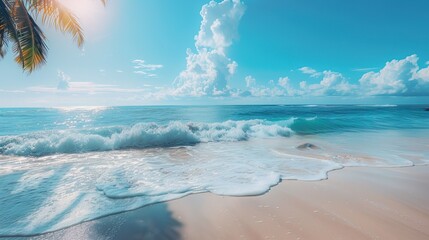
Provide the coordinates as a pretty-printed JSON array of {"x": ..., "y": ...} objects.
[
  {"x": 142, "y": 135},
  {"x": 311, "y": 118},
  {"x": 379, "y": 105},
  {"x": 40, "y": 194}
]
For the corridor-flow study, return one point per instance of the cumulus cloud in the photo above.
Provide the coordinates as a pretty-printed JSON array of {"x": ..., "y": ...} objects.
[
  {"x": 397, "y": 78},
  {"x": 63, "y": 84},
  {"x": 209, "y": 68},
  {"x": 285, "y": 84},
  {"x": 143, "y": 68},
  {"x": 283, "y": 87},
  {"x": 250, "y": 81},
  {"x": 332, "y": 84},
  {"x": 423, "y": 75},
  {"x": 310, "y": 71}
]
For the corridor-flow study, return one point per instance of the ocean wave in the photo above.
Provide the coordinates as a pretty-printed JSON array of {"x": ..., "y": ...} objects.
[
  {"x": 56, "y": 191},
  {"x": 142, "y": 135},
  {"x": 378, "y": 105},
  {"x": 311, "y": 105}
]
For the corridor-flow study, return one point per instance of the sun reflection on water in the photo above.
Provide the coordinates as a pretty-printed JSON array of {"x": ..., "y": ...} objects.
[
  {"x": 82, "y": 108},
  {"x": 79, "y": 116}
]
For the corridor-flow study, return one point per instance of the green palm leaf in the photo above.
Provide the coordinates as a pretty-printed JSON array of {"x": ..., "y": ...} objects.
[
  {"x": 18, "y": 27},
  {"x": 56, "y": 14},
  {"x": 4, "y": 19},
  {"x": 3, "y": 42},
  {"x": 30, "y": 37},
  {"x": 9, "y": 27}
]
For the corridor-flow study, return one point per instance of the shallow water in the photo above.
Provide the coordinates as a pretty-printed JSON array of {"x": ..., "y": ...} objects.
[{"x": 62, "y": 166}]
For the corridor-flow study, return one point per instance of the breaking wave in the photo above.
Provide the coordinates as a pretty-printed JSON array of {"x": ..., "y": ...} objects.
[{"x": 142, "y": 135}]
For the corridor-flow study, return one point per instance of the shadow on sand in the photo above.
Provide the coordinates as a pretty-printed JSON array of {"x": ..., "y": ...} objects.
[
  {"x": 154, "y": 222},
  {"x": 20, "y": 203},
  {"x": 21, "y": 197}
]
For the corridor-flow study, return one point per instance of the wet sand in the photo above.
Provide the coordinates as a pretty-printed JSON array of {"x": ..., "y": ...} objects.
[{"x": 354, "y": 203}]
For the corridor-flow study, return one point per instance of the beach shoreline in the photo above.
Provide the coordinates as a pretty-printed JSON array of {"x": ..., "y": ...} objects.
[{"x": 354, "y": 203}]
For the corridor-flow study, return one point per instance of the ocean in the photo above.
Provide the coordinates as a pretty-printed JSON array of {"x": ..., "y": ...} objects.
[{"x": 63, "y": 166}]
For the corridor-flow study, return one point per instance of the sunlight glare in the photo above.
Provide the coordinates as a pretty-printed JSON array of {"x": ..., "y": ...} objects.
[{"x": 90, "y": 13}]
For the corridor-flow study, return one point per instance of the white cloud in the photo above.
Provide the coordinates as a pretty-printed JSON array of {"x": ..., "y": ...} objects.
[
  {"x": 423, "y": 74},
  {"x": 63, "y": 84},
  {"x": 284, "y": 82},
  {"x": 87, "y": 87},
  {"x": 332, "y": 84},
  {"x": 11, "y": 91},
  {"x": 209, "y": 69},
  {"x": 219, "y": 25},
  {"x": 310, "y": 71},
  {"x": 250, "y": 81},
  {"x": 145, "y": 69},
  {"x": 140, "y": 64},
  {"x": 281, "y": 89},
  {"x": 398, "y": 77},
  {"x": 267, "y": 92}
]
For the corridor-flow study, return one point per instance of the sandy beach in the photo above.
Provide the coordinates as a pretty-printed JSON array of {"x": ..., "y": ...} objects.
[
  {"x": 214, "y": 120},
  {"x": 354, "y": 203}
]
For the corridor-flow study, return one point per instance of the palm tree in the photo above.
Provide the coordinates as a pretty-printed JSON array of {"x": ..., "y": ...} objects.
[{"x": 18, "y": 27}]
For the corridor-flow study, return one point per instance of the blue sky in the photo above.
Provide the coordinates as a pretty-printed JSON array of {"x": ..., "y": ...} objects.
[{"x": 232, "y": 52}]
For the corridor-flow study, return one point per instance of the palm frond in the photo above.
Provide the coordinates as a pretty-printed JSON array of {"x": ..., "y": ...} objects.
[
  {"x": 3, "y": 43},
  {"x": 9, "y": 26},
  {"x": 18, "y": 27},
  {"x": 56, "y": 14},
  {"x": 3, "y": 17},
  {"x": 29, "y": 43}
]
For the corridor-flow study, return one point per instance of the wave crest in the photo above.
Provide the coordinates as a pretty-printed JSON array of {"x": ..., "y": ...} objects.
[{"x": 142, "y": 135}]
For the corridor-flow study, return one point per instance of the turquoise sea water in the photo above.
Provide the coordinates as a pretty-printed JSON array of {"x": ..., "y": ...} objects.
[{"x": 62, "y": 166}]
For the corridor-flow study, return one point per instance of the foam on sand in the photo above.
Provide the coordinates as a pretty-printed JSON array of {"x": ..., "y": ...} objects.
[{"x": 41, "y": 194}]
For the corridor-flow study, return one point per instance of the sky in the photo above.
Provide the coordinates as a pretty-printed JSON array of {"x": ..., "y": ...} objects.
[{"x": 157, "y": 52}]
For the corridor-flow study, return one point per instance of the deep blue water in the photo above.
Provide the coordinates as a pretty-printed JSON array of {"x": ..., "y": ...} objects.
[
  {"x": 44, "y": 131},
  {"x": 330, "y": 118}
]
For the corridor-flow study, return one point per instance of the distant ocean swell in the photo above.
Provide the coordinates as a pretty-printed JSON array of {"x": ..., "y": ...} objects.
[{"x": 142, "y": 135}]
